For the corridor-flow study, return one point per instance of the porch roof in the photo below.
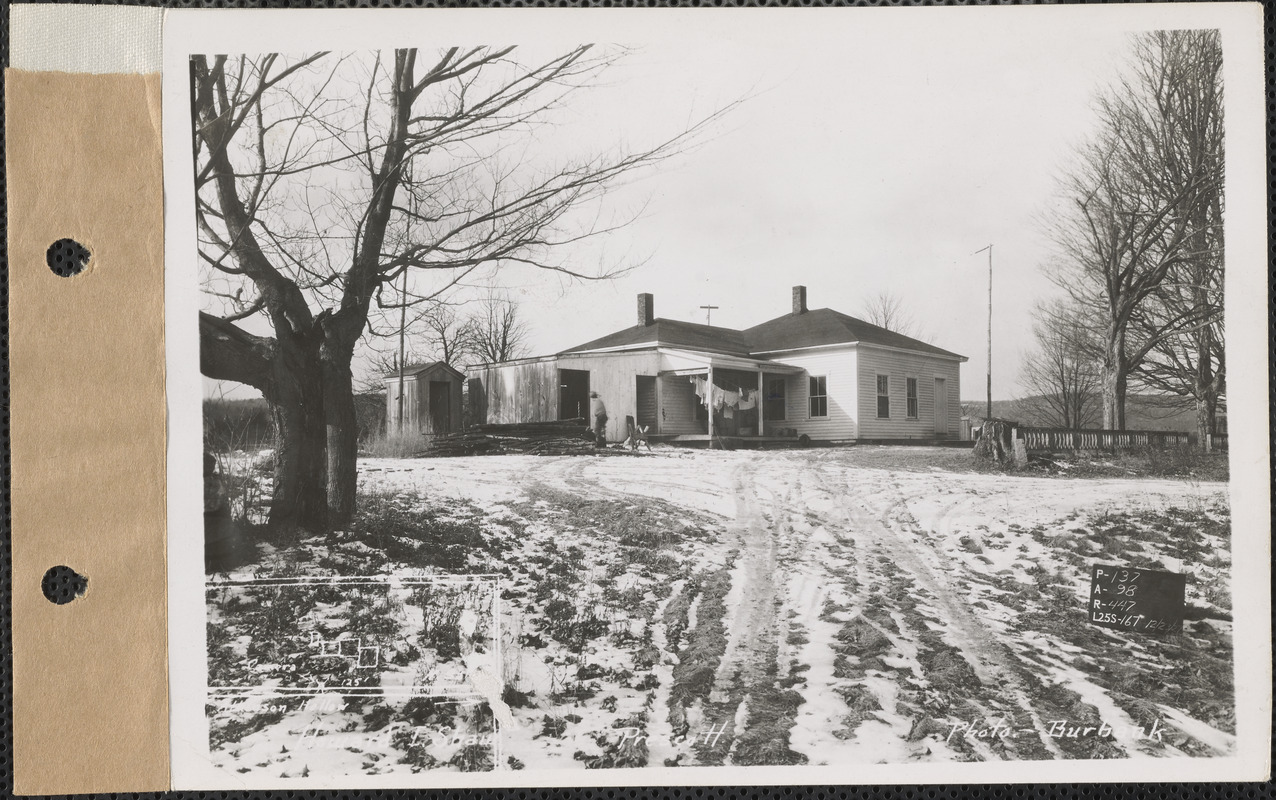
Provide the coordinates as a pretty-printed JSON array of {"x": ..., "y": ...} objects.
[{"x": 693, "y": 362}]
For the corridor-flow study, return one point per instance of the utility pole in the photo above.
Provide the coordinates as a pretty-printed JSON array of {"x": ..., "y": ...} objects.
[
  {"x": 708, "y": 310},
  {"x": 403, "y": 330},
  {"x": 988, "y": 414}
]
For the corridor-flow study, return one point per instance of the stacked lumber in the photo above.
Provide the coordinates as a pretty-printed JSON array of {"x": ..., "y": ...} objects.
[
  {"x": 557, "y": 438},
  {"x": 522, "y": 430}
]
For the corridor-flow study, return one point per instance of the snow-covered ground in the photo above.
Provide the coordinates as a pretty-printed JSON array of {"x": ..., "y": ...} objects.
[{"x": 709, "y": 607}]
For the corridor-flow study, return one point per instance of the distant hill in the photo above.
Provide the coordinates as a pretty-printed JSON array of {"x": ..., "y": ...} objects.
[{"x": 1142, "y": 413}]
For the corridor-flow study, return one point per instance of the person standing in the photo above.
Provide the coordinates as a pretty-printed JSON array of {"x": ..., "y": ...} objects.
[{"x": 599, "y": 411}]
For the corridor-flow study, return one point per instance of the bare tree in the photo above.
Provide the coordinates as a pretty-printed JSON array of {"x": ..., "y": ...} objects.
[
  {"x": 1061, "y": 372},
  {"x": 1189, "y": 366},
  {"x": 887, "y": 310},
  {"x": 311, "y": 206},
  {"x": 452, "y": 335},
  {"x": 1137, "y": 200},
  {"x": 499, "y": 333}
]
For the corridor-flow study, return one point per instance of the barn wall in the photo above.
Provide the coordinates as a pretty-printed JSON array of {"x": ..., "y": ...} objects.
[
  {"x": 839, "y": 368},
  {"x": 528, "y": 392},
  {"x": 899, "y": 366},
  {"x": 614, "y": 377},
  {"x": 509, "y": 393}
]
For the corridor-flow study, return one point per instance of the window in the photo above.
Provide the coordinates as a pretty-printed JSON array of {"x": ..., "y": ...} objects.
[
  {"x": 883, "y": 397},
  {"x": 819, "y": 396},
  {"x": 911, "y": 387},
  {"x": 773, "y": 403}
]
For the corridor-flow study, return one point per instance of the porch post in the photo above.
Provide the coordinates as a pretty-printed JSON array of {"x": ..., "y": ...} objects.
[
  {"x": 758, "y": 403},
  {"x": 709, "y": 402}
]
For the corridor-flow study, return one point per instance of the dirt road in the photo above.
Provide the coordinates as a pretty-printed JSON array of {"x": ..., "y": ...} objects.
[{"x": 854, "y": 614}]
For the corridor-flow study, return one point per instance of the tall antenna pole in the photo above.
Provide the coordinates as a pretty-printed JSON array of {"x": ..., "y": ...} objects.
[
  {"x": 988, "y": 413},
  {"x": 708, "y": 310}
]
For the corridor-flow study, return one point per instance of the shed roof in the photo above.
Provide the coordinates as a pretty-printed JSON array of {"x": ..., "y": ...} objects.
[
  {"x": 824, "y": 326},
  {"x": 417, "y": 369},
  {"x": 671, "y": 333}
]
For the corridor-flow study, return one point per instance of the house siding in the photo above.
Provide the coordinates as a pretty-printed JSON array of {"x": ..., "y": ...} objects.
[
  {"x": 899, "y": 366},
  {"x": 614, "y": 377},
  {"x": 838, "y": 366},
  {"x": 678, "y": 403},
  {"x": 529, "y": 392}
]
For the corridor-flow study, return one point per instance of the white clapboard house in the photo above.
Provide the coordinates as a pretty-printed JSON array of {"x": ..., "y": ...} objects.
[{"x": 813, "y": 373}]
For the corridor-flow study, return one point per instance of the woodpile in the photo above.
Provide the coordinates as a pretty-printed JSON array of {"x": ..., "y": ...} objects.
[{"x": 569, "y": 437}]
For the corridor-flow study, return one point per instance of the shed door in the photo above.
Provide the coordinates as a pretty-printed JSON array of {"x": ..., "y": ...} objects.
[
  {"x": 647, "y": 401},
  {"x": 573, "y": 394},
  {"x": 440, "y": 407},
  {"x": 941, "y": 405}
]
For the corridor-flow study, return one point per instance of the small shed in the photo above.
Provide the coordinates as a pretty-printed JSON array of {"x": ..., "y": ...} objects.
[{"x": 431, "y": 399}]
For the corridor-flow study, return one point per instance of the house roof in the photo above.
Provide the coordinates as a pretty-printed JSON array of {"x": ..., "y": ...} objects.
[
  {"x": 417, "y": 369},
  {"x": 824, "y": 326},
  {"x": 671, "y": 333}
]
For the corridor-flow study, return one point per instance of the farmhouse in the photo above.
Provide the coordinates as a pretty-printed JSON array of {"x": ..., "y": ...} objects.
[
  {"x": 812, "y": 372},
  {"x": 431, "y": 399}
]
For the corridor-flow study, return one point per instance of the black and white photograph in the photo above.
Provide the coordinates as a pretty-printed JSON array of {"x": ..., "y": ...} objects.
[{"x": 818, "y": 397}]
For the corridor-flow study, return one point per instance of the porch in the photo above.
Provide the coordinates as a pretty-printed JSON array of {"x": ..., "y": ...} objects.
[
  {"x": 717, "y": 400},
  {"x": 756, "y": 442}
]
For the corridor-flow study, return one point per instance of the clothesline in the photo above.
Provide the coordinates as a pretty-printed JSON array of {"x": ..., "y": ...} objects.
[{"x": 724, "y": 401}]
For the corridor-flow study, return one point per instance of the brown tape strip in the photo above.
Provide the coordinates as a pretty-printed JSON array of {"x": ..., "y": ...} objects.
[{"x": 88, "y": 432}]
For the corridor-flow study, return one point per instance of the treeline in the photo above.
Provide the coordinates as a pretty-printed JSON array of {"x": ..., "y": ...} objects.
[
  {"x": 1138, "y": 239},
  {"x": 231, "y": 425}
]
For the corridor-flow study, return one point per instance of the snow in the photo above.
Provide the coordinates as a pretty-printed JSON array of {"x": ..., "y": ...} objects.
[{"x": 931, "y": 559}]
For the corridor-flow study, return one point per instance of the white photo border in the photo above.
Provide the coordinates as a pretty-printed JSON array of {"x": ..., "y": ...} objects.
[{"x": 187, "y": 32}]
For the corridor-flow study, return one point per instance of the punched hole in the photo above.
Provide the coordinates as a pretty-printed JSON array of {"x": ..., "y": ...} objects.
[
  {"x": 67, "y": 257},
  {"x": 62, "y": 584}
]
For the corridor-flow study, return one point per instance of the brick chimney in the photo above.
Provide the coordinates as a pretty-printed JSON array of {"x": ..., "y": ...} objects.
[
  {"x": 799, "y": 299},
  {"x": 646, "y": 310}
]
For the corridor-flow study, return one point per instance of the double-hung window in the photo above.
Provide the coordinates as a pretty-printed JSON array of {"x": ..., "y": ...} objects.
[
  {"x": 883, "y": 396},
  {"x": 819, "y": 396},
  {"x": 911, "y": 384}
]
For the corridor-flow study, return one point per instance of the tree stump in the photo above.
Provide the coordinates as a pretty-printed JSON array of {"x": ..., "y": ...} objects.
[{"x": 995, "y": 443}]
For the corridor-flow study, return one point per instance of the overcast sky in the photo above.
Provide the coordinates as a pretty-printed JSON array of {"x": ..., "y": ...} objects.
[
  {"x": 878, "y": 166},
  {"x": 877, "y": 160}
]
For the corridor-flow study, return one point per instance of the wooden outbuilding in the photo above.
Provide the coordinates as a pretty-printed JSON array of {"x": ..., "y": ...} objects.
[{"x": 430, "y": 403}]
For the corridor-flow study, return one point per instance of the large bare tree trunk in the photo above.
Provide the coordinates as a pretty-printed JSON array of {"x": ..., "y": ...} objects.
[
  {"x": 1114, "y": 381},
  {"x": 300, "y": 500},
  {"x": 342, "y": 440},
  {"x": 286, "y": 371}
]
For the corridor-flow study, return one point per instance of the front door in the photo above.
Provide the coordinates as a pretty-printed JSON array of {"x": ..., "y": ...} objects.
[
  {"x": 646, "y": 405},
  {"x": 941, "y": 405}
]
